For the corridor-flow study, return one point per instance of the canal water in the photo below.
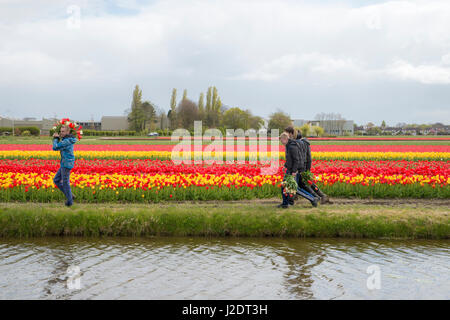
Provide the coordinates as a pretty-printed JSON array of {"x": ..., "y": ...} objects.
[{"x": 223, "y": 268}]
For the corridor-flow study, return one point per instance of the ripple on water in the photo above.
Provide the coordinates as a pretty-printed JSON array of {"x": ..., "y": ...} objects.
[{"x": 223, "y": 268}]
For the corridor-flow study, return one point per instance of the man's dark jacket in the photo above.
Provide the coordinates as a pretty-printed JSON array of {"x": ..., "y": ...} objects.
[
  {"x": 307, "y": 152},
  {"x": 294, "y": 159}
]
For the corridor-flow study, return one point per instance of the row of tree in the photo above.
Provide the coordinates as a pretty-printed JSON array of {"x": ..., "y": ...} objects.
[
  {"x": 145, "y": 115},
  {"x": 187, "y": 111},
  {"x": 210, "y": 111},
  {"x": 141, "y": 115},
  {"x": 401, "y": 128}
]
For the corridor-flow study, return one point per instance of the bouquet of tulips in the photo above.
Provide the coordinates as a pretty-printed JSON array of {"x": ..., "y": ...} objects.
[
  {"x": 289, "y": 185},
  {"x": 307, "y": 177},
  {"x": 75, "y": 129}
]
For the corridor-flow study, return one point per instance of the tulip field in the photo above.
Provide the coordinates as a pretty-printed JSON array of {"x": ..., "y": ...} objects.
[{"x": 145, "y": 173}]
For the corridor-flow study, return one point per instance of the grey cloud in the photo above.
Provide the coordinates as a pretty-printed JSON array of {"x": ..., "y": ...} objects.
[{"x": 383, "y": 61}]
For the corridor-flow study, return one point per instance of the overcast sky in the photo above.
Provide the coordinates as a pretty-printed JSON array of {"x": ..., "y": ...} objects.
[{"x": 389, "y": 60}]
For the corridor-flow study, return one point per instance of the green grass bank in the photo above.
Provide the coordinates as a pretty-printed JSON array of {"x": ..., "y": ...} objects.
[{"x": 239, "y": 219}]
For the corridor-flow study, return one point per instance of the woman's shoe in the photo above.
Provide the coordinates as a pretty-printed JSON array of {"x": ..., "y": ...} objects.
[{"x": 284, "y": 206}]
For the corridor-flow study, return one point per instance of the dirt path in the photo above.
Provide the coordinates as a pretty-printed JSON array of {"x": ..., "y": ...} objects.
[
  {"x": 371, "y": 202},
  {"x": 338, "y": 203}
]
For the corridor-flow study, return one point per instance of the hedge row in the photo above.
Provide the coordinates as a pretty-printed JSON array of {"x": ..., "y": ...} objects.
[
  {"x": 105, "y": 133},
  {"x": 109, "y": 133},
  {"x": 35, "y": 131}
]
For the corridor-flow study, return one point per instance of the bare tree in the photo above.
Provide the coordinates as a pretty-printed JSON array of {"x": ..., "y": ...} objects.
[
  {"x": 161, "y": 118},
  {"x": 188, "y": 113}
]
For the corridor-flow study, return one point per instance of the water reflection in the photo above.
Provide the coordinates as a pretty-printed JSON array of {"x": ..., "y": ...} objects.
[{"x": 222, "y": 268}]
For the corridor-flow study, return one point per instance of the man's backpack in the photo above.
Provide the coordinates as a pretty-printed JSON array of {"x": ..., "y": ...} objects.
[{"x": 302, "y": 153}]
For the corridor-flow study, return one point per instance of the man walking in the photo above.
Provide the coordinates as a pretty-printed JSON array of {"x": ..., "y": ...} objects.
[
  {"x": 324, "y": 199},
  {"x": 63, "y": 142},
  {"x": 304, "y": 189},
  {"x": 294, "y": 165}
]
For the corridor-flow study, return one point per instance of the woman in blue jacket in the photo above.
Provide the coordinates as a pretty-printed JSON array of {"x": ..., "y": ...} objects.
[{"x": 63, "y": 142}]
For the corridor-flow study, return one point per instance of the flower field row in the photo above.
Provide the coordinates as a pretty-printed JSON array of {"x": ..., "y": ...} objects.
[
  {"x": 146, "y": 173},
  {"x": 130, "y": 167},
  {"x": 412, "y": 156},
  {"x": 355, "y": 138},
  {"x": 147, "y": 180},
  {"x": 386, "y": 138},
  {"x": 169, "y": 148},
  {"x": 152, "y": 167},
  {"x": 99, "y": 188}
]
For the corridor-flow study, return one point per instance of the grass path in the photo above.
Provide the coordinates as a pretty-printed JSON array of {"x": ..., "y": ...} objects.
[
  {"x": 256, "y": 218},
  {"x": 265, "y": 204}
]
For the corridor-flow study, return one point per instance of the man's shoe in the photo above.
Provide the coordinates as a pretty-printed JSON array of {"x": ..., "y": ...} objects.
[
  {"x": 68, "y": 204},
  {"x": 314, "y": 203},
  {"x": 284, "y": 206},
  {"x": 325, "y": 200}
]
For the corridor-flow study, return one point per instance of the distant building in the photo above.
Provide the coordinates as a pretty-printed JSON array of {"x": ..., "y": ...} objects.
[
  {"x": 391, "y": 131},
  {"x": 298, "y": 122},
  {"x": 90, "y": 125},
  {"x": 108, "y": 123},
  {"x": 335, "y": 127},
  {"x": 114, "y": 123},
  {"x": 331, "y": 127},
  {"x": 45, "y": 125}
]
